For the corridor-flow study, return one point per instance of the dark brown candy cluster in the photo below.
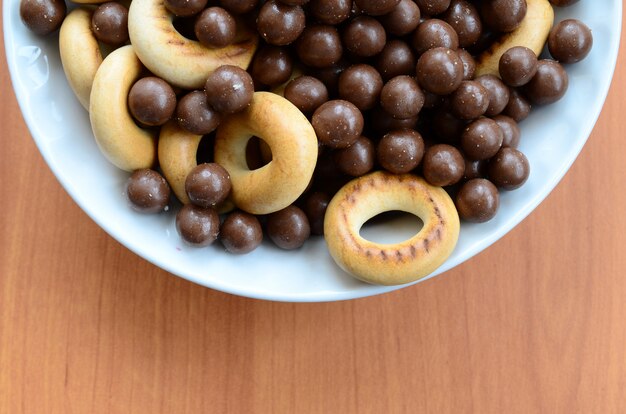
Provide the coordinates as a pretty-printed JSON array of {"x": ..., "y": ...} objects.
[{"x": 386, "y": 84}]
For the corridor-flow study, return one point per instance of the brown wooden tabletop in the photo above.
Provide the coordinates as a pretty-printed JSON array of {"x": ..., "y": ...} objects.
[{"x": 535, "y": 324}]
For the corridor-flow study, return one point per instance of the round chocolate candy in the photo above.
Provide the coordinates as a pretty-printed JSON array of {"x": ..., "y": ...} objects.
[
  {"x": 197, "y": 226},
  {"x": 42, "y": 17},
  {"x": 440, "y": 71},
  {"x": 477, "y": 200},
  {"x": 306, "y": 93},
  {"x": 315, "y": 209},
  {"x": 357, "y": 159},
  {"x": 482, "y": 139},
  {"x": 517, "y": 66},
  {"x": 549, "y": 83},
  {"x": 229, "y": 89},
  {"x": 508, "y": 169},
  {"x": 503, "y": 15},
  {"x": 403, "y": 19},
  {"x": 396, "y": 59},
  {"x": 499, "y": 93},
  {"x": 288, "y": 228},
  {"x": 376, "y": 7},
  {"x": 443, "y": 165},
  {"x": 271, "y": 66},
  {"x": 147, "y": 191},
  {"x": 208, "y": 185},
  {"x": 360, "y": 84},
  {"x": 109, "y": 23},
  {"x": 465, "y": 20},
  {"x": 570, "y": 41},
  {"x": 280, "y": 24},
  {"x": 434, "y": 33},
  {"x": 433, "y": 7},
  {"x": 241, "y": 233},
  {"x": 400, "y": 151},
  {"x": 215, "y": 27},
  {"x": 402, "y": 97},
  {"x": 364, "y": 36},
  {"x": 319, "y": 46},
  {"x": 152, "y": 101},
  {"x": 330, "y": 11},
  {"x": 194, "y": 114},
  {"x": 185, "y": 8},
  {"x": 470, "y": 100},
  {"x": 338, "y": 123}
]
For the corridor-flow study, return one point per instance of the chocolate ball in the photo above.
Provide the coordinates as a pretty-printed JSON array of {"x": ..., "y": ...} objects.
[
  {"x": 433, "y": 7},
  {"x": 42, "y": 17},
  {"x": 508, "y": 169},
  {"x": 288, "y": 228},
  {"x": 396, "y": 59},
  {"x": 570, "y": 41},
  {"x": 197, "y": 226},
  {"x": 241, "y": 233},
  {"x": 194, "y": 114},
  {"x": 403, "y": 19},
  {"x": 229, "y": 89},
  {"x": 109, "y": 24},
  {"x": 477, "y": 201},
  {"x": 238, "y": 6},
  {"x": 549, "y": 83},
  {"x": 434, "y": 33},
  {"x": 499, "y": 93},
  {"x": 338, "y": 123},
  {"x": 517, "y": 66},
  {"x": 271, "y": 66},
  {"x": 376, "y": 7},
  {"x": 152, "y": 101},
  {"x": 440, "y": 71},
  {"x": 319, "y": 46},
  {"x": 470, "y": 100},
  {"x": 315, "y": 209},
  {"x": 330, "y": 11},
  {"x": 464, "y": 18},
  {"x": 518, "y": 107},
  {"x": 482, "y": 139},
  {"x": 400, "y": 151},
  {"x": 511, "y": 133},
  {"x": 503, "y": 15},
  {"x": 208, "y": 185},
  {"x": 306, "y": 93},
  {"x": 147, "y": 191},
  {"x": 185, "y": 8},
  {"x": 360, "y": 84},
  {"x": 357, "y": 159},
  {"x": 215, "y": 27},
  {"x": 443, "y": 165},
  {"x": 280, "y": 24},
  {"x": 402, "y": 97},
  {"x": 364, "y": 36}
]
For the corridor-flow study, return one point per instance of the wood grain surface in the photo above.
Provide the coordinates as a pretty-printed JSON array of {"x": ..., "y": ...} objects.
[{"x": 535, "y": 324}]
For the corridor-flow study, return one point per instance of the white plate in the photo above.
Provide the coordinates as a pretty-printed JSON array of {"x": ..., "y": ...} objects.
[{"x": 552, "y": 137}]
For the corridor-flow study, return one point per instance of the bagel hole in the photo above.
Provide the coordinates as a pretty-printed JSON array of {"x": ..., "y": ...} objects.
[
  {"x": 391, "y": 227},
  {"x": 185, "y": 26},
  {"x": 258, "y": 153},
  {"x": 204, "y": 153}
]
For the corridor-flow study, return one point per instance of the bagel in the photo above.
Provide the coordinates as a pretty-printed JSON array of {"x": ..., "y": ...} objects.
[
  {"x": 293, "y": 144},
  {"x": 177, "y": 151},
  {"x": 390, "y": 264},
  {"x": 122, "y": 142},
  {"x": 532, "y": 33},
  {"x": 180, "y": 61},
  {"x": 80, "y": 53}
]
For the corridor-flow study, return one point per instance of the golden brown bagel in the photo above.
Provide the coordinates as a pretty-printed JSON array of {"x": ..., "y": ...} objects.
[
  {"x": 531, "y": 33},
  {"x": 178, "y": 60},
  {"x": 80, "y": 53},
  {"x": 390, "y": 264},
  {"x": 122, "y": 142},
  {"x": 294, "y": 153}
]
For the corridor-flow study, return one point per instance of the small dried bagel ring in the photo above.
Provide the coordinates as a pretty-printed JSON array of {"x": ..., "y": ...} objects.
[
  {"x": 294, "y": 153},
  {"x": 178, "y": 60},
  {"x": 80, "y": 53},
  {"x": 390, "y": 264},
  {"x": 531, "y": 33},
  {"x": 122, "y": 142},
  {"x": 177, "y": 156}
]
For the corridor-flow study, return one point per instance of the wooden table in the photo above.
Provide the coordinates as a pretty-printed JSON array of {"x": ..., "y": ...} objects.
[{"x": 535, "y": 324}]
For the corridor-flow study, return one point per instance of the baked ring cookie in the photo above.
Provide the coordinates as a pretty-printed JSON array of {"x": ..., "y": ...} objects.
[
  {"x": 122, "y": 142},
  {"x": 171, "y": 56},
  {"x": 293, "y": 143},
  {"x": 532, "y": 33},
  {"x": 80, "y": 53},
  {"x": 390, "y": 264}
]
